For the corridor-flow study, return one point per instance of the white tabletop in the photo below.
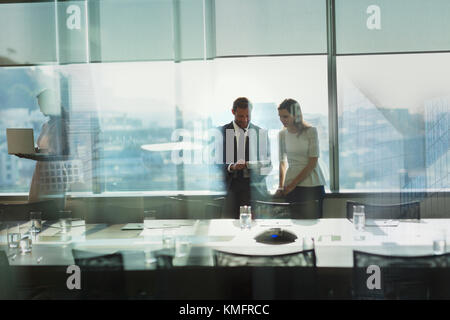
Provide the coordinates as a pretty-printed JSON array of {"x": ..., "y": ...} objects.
[{"x": 334, "y": 240}]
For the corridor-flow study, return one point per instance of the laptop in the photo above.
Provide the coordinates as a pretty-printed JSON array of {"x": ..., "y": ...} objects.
[{"x": 22, "y": 141}]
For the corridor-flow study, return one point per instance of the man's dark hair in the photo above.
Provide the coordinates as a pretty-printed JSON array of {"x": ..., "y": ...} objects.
[{"x": 242, "y": 103}]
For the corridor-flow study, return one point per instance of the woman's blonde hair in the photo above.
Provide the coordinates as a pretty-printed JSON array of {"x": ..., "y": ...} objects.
[{"x": 293, "y": 107}]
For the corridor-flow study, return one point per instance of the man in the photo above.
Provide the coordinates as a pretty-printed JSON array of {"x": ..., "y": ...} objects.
[{"x": 246, "y": 155}]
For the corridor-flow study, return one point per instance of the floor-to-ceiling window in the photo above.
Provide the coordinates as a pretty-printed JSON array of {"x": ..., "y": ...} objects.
[
  {"x": 393, "y": 99},
  {"x": 146, "y": 83}
]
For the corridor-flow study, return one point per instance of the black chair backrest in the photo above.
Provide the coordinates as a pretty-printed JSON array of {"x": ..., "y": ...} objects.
[
  {"x": 214, "y": 208},
  {"x": 182, "y": 207},
  {"x": 271, "y": 210},
  {"x": 164, "y": 258},
  {"x": 410, "y": 210},
  {"x": 102, "y": 276},
  {"x": 179, "y": 207},
  {"x": 281, "y": 210},
  {"x": 401, "y": 277},
  {"x": 115, "y": 214},
  {"x": 306, "y": 210},
  {"x": 306, "y": 258}
]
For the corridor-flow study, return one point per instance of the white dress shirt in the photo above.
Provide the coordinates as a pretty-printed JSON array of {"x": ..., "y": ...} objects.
[{"x": 237, "y": 133}]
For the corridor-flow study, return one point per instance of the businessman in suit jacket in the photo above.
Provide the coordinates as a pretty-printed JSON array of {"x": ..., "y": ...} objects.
[{"x": 246, "y": 159}]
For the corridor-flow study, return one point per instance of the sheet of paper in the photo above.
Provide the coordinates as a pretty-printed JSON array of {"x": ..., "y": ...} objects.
[
  {"x": 169, "y": 223},
  {"x": 381, "y": 223}
]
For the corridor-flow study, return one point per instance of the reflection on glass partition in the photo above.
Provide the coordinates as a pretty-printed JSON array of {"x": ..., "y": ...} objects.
[
  {"x": 393, "y": 122},
  {"x": 152, "y": 126}
]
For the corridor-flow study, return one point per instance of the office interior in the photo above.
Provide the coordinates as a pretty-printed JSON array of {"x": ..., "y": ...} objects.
[{"x": 144, "y": 85}]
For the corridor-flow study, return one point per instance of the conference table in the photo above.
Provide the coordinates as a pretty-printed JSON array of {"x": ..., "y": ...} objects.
[
  {"x": 334, "y": 239},
  {"x": 194, "y": 241}
]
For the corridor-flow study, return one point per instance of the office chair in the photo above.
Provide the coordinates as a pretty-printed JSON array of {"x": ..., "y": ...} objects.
[
  {"x": 284, "y": 210},
  {"x": 115, "y": 214},
  {"x": 214, "y": 208},
  {"x": 102, "y": 276},
  {"x": 305, "y": 258},
  {"x": 306, "y": 210},
  {"x": 181, "y": 207},
  {"x": 410, "y": 210},
  {"x": 271, "y": 210},
  {"x": 401, "y": 277},
  {"x": 287, "y": 276}
]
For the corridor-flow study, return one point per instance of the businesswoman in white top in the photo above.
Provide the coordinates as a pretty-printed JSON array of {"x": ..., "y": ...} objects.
[{"x": 301, "y": 178}]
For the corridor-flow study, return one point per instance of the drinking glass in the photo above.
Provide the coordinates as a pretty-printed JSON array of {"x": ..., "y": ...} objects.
[
  {"x": 36, "y": 221},
  {"x": 308, "y": 243},
  {"x": 13, "y": 235},
  {"x": 149, "y": 258},
  {"x": 245, "y": 217},
  {"x": 168, "y": 240},
  {"x": 439, "y": 241},
  {"x": 25, "y": 245},
  {"x": 65, "y": 221},
  {"x": 182, "y": 246},
  {"x": 359, "y": 221},
  {"x": 149, "y": 217}
]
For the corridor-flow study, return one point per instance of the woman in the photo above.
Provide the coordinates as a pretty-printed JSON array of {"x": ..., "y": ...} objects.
[
  {"x": 299, "y": 148},
  {"x": 50, "y": 174}
]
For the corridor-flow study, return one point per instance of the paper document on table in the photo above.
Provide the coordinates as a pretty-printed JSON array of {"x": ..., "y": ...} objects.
[
  {"x": 329, "y": 238},
  {"x": 179, "y": 230},
  {"x": 274, "y": 222},
  {"x": 55, "y": 224},
  {"x": 381, "y": 223},
  {"x": 171, "y": 223},
  {"x": 55, "y": 230}
]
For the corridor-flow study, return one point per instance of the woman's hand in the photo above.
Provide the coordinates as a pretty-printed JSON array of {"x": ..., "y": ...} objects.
[
  {"x": 279, "y": 193},
  {"x": 289, "y": 188},
  {"x": 28, "y": 156},
  {"x": 24, "y": 156}
]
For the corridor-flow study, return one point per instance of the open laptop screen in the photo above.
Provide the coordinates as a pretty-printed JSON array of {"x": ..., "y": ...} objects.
[{"x": 20, "y": 141}]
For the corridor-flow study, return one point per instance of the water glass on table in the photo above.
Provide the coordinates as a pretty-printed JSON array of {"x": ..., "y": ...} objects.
[
  {"x": 25, "y": 245},
  {"x": 36, "y": 221},
  {"x": 308, "y": 243},
  {"x": 439, "y": 241},
  {"x": 245, "y": 217},
  {"x": 13, "y": 235},
  {"x": 182, "y": 246},
  {"x": 168, "y": 240},
  {"x": 65, "y": 221},
  {"x": 359, "y": 221}
]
